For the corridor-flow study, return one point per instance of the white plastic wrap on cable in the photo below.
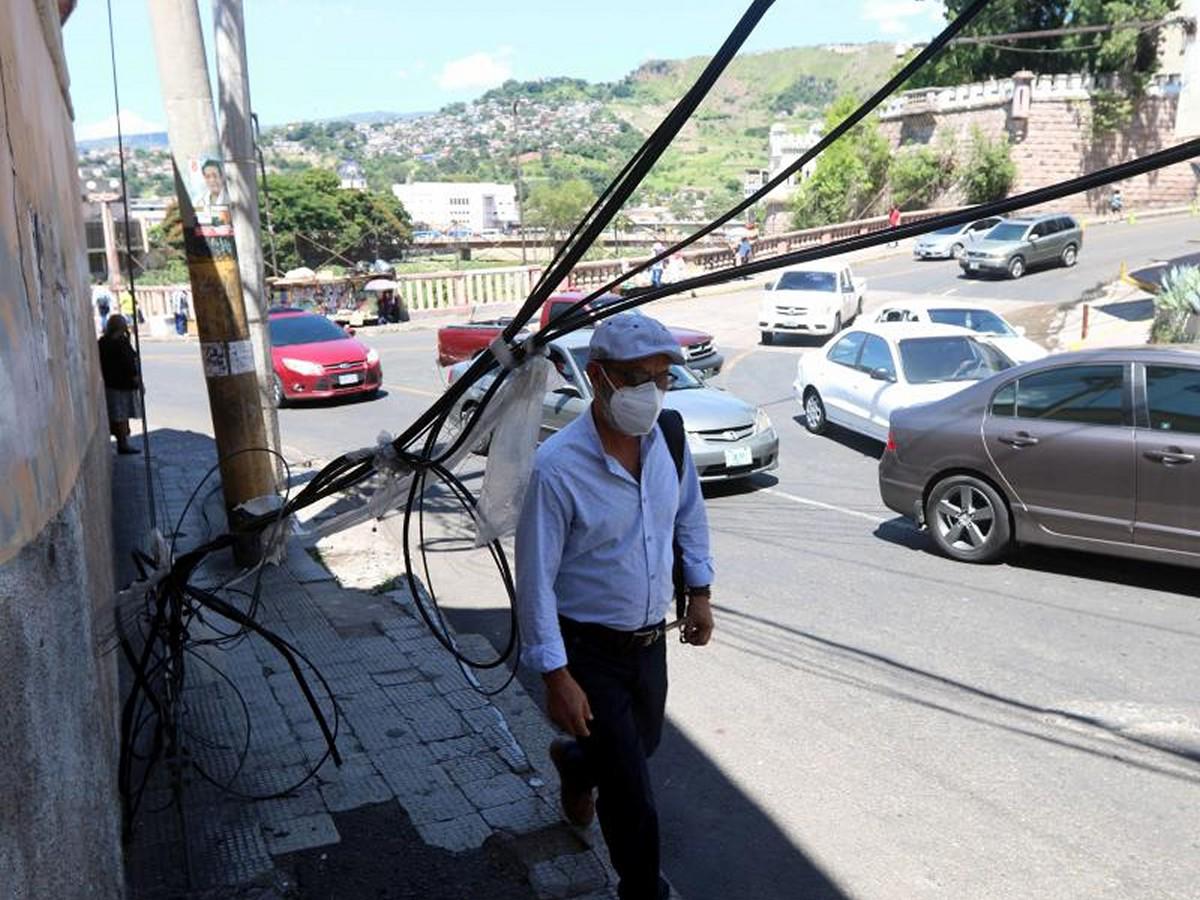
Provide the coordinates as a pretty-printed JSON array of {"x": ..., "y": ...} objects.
[
  {"x": 510, "y": 453},
  {"x": 158, "y": 549},
  {"x": 389, "y": 488}
]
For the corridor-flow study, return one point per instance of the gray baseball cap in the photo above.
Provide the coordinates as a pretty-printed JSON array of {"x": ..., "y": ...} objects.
[{"x": 632, "y": 336}]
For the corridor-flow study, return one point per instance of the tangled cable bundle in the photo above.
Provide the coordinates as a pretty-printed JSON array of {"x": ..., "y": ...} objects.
[{"x": 402, "y": 471}]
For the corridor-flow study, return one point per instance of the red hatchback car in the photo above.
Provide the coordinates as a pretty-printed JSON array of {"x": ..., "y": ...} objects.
[{"x": 315, "y": 359}]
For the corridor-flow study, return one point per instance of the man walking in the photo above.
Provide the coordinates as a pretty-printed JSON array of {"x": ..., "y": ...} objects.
[{"x": 594, "y": 559}]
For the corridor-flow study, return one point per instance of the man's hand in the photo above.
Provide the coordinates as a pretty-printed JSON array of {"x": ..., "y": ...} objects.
[
  {"x": 567, "y": 703},
  {"x": 698, "y": 623}
]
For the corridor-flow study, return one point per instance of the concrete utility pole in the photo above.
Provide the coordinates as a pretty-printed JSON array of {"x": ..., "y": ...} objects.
[
  {"x": 225, "y": 345},
  {"x": 237, "y": 149},
  {"x": 517, "y": 165}
]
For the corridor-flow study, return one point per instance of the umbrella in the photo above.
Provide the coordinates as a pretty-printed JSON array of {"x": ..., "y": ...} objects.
[{"x": 380, "y": 284}]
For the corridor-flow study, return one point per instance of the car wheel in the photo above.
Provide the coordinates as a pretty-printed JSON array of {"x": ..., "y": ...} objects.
[
  {"x": 278, "y": 400},
  {"x": 1016, "y": 267},
  {"x": 968, "y": 519},
  {"x": 956, "y": 251},
  {"x": 814, "y": 412},
  {"x": 464, "y": 418},
  {"x": 768, "y": 337},
  {"x": 1069, "y": 255}
]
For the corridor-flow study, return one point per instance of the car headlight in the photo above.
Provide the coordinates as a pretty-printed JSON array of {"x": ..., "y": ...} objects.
[
  {"x": 372, "y": 357},
  {"x": 761, "y": 421},
  {"x": 303, "y": 366}
]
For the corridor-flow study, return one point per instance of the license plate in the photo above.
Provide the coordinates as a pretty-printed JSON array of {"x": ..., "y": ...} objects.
[
  {"x": 973, "y": 265},
  {"x": 789, "y": 322},
  {"x": 349, "y": 379},
  {"x": 738, "y": 456}
]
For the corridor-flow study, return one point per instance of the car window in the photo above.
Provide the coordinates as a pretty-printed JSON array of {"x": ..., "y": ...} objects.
[
  {"x": 1007, "y": 231},
  {"x": 845, "y": 351},
  {"x": 983, "y": 224},
  {"x": 950, "y": 229},
  {"x": 1004, "y": 401},
  {"x": 562, "y": 373},
  {"x": 876, "y": 355},
  {"x": 1066, "y": 223},
  {"x": 288, "y": 330},
  {"x": 897, "y": 315},
  {"x": 951, "y": 358},
  {"x": 1041, "y": 229},
  {"x": 806, "y": 281},
  {"x": 982, "y": 321},
  {"x": 1173, "y": 395},
  {"x": 1090, "y": 395}
]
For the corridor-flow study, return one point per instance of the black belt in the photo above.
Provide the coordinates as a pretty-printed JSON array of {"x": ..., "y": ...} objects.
[{"x": 612, "y": 639}]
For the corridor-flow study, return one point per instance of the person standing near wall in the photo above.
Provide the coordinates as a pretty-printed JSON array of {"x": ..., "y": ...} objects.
[
  {"x": 894, "y": 222},
  {"x": 103, "y": 301},
  {"x": 119, "y": 369},
  {"x": 179, "y": 300}
]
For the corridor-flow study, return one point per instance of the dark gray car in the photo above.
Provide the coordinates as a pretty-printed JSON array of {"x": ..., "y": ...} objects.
[
  {"x": 1096, "y": 450},
  {"x": 1015, "y": 246}
]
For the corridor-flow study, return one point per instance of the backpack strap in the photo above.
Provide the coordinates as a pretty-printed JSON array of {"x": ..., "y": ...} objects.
[{"x": 671, "y": 423}]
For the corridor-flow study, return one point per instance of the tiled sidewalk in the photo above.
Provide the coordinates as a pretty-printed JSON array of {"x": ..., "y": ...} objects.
[{"x": 439, "y": 794}]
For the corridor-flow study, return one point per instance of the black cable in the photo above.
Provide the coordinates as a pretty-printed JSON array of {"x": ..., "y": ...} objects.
[
  {"x": 864, "y": 109},
  {"x": 137, "y": 341}
]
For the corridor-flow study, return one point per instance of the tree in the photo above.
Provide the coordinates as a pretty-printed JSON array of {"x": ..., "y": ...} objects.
[
  {"x": 918, "y": 175},
  {"x": 316, "y": 222},
  {"x": 850, "y": 174},
  {"x": 558, "y": 206},
  {"x": 988, "y": 171},
  {"x": 1129, "y": 52}
]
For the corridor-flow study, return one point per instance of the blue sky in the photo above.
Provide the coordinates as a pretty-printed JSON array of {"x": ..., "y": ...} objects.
[{"x": 323, "y": 58}]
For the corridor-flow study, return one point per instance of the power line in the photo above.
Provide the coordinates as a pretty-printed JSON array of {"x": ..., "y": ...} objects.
[{"x": 1187, "y": 22}]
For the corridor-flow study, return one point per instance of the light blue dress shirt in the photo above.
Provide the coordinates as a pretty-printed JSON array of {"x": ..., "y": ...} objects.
[{"x": 594, "y": 544}]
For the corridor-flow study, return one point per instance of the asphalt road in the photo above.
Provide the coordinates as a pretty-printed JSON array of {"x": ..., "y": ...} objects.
[{"x": 873, "y": 720}]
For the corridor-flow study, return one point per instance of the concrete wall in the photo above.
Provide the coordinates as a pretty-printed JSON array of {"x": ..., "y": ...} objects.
[
  {"x": 59, "y": 813},
  {"x": 1055, "y": 142}
]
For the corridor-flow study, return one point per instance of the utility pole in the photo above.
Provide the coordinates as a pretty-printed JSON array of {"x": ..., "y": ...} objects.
[
  {"x": 225, "y": 345},
  {"x": 517, "y": 165},
  {"x": 237, "y": 149}
]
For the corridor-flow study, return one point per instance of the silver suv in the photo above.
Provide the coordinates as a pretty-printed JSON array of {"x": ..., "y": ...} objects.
[{"x": 1017, "y": 245}]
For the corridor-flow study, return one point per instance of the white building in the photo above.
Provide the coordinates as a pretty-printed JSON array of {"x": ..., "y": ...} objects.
[
  {"x": 449, "y": 205},
  {"x": 351, "y": 177}
]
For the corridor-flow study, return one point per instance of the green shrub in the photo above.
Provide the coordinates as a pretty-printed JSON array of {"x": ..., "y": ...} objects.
[
  {"x": 988, "y": 171},
  {"x": 1178, "y": 300},
  {"x": 919, "y": 175}
]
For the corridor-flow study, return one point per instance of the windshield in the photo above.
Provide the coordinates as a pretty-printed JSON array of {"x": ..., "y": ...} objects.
[
  {"x": 952, "y": 358},
  {"x": 682, "y": 378},
  {"x": 981, "y": 321},
  {"x": 294, "y": 329},
  {"x": 806, "y": 281},
  {"x": 1007, "y": 231},
  {"x": 949, "y": 229}
]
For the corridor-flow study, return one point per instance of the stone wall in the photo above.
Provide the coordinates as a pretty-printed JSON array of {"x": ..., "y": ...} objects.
[
  {"x": 59, "y": 817},
  {"x": 1055, "y": 142}
]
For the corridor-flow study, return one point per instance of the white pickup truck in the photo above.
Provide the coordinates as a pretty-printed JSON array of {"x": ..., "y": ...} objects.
[{"x": 810, "y": 299}]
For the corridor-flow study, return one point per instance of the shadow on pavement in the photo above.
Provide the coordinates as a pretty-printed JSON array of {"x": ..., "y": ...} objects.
[
  {"x": 851, "y": 440},
  {"x": 1130, "y": 310},
  {"x": 717, "y": 842},
  {"x": 1154, "y": 273}
]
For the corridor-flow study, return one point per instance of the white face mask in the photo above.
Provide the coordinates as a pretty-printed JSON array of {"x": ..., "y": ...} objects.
[{"x": 634, "y": 410}]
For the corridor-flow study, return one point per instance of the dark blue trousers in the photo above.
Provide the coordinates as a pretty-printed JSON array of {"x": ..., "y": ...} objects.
[{"x": 627, "y": 692}]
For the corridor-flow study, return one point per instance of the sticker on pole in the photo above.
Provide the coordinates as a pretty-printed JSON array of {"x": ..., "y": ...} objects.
[
  {"x": 241, "y": 357},
  {"x": 216, "y": 359}
]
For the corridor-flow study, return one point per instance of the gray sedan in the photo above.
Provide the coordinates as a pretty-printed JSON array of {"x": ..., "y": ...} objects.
[
  {"x": 952, "y": 241},
  {"x": 728, "y": 437},
  {"x": 1096, "y": 450}
]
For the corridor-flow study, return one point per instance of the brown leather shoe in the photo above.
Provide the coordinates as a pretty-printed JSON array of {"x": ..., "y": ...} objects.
[{"x": 577, "y": 802}]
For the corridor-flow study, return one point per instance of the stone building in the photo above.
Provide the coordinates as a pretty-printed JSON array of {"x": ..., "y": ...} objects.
[
  {"x": 1049, "y": 122},
  {"x": 59, "y": 813}
]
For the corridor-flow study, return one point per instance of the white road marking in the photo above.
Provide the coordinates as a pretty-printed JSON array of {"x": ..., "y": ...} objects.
[
  {"x": 804, "y": 501},
  {"x": 952, "y": 290},
  {"x": 400, "y": 389}
]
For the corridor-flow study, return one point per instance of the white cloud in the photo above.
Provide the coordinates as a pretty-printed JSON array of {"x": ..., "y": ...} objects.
[
  {"x": 131, "y": 123},
  {"x": 902, "y": 17},
  {"x": 477, "y": 71}
]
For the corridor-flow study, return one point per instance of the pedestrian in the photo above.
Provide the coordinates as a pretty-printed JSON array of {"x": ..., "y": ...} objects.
[
  {"x": 743, "y": 251},
  {"x": 594, "y": 555},
  {"x": 103, "y": 300},
  {"x": 894, "y": 222},
  {"x": 125, "y": 301},
  {"x": 119, "y": 369},
  {"x": 179, "y": 300},
  {"x": 1116, "y": 203},
  {"x": 656, "y": 269}
]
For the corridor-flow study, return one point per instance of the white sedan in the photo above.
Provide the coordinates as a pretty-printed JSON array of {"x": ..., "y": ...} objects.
[
  {"x": 861, "y": 375},
  {"x": 978, "y": 318}
]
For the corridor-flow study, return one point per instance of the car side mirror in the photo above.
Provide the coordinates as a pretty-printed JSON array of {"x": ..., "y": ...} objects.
[
  {"x": 769, "y": 286},
  {"x": 882, "y": 374},
  {"x": 1034, "y": 238}
]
